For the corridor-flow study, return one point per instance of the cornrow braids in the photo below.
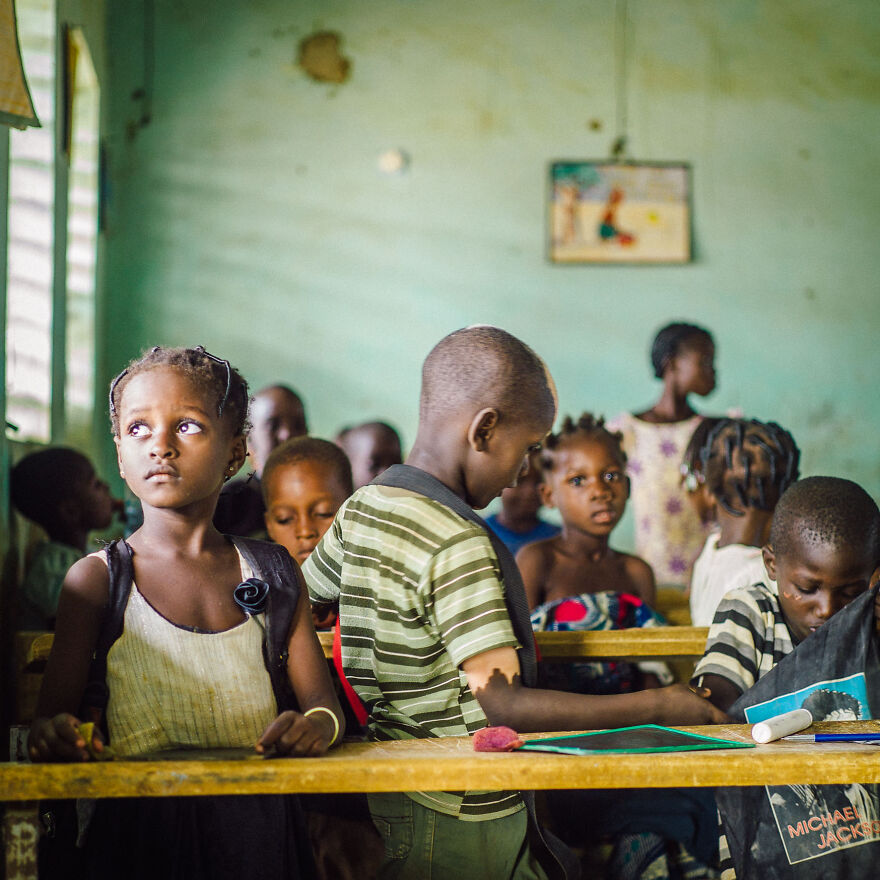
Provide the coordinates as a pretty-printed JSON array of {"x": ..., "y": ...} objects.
[
  {"x": 669, "y": 340},
  {"x": 587, "y": 426},
  {"x": 746, "y": 463},
  {"x": 691, "y": 462},
  {"x": 214, "y": 374}
]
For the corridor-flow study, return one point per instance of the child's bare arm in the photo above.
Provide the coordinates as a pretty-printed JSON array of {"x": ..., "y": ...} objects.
[
  {"x": 724, "y": 693},
  {"x": 495, "y": 680},
  {"x": 532, "y": 563},
  {"x": 641, "y": 576},
  {"x": 292, "y": 733},
  {"x": 53, "y": 734}
]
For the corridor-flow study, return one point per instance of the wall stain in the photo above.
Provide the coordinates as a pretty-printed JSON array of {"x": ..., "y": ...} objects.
[
  {"x": 821, "y": 415},
  {"x": 320, "y": 58}
]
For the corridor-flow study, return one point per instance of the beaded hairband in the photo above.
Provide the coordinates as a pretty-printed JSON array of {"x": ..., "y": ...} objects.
[{"x": 201, "y": 350}]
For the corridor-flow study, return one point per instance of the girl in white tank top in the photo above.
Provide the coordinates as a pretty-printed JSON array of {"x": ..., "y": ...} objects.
[{"x": 187, "y": 670}]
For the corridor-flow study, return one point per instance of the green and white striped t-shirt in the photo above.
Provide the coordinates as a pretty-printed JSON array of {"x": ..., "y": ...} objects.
[{"x": 420, "y": 592}]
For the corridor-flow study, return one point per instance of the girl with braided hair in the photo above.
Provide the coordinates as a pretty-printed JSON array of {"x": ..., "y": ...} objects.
[{"x": 745, "y": 466}]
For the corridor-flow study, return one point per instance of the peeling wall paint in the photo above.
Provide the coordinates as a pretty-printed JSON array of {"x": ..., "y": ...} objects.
[{"x": 320, "y": 58}]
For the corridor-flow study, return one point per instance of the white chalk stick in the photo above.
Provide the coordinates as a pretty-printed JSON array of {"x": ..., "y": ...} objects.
[{"x": 781, "y": 725}]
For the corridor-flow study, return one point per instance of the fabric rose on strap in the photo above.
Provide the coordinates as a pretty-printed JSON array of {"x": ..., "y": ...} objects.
[{"x": 250, "y": 595}]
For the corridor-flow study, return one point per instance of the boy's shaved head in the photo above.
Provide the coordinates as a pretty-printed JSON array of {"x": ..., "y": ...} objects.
[
  {"x": 826, "y": 510},
  {"x": 485, "y": 366}
]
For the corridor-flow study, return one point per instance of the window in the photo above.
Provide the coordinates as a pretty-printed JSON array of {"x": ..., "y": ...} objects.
[
  {"x": 50, "y": 321},
  {"x": 30, "y": 234}
]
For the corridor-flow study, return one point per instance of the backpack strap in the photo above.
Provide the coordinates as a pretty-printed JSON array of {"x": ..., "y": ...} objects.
[
  {"x": 272, "y": 563},
  {"x": 404, "y": 476},
  {"x": 121, "y": 576}
]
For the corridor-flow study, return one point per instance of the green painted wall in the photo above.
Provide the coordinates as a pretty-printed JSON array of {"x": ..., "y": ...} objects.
[{"x": 249, "y": 214}]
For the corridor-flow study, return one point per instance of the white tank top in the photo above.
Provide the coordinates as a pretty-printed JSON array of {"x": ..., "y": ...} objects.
[{"x": 172, "y": 688}]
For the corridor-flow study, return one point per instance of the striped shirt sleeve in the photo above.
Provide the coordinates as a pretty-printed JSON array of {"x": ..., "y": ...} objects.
[
  {"x": 323, "y": 569},
  {"x": 747, "y": 638},
  {"x": 466, "y": 597}
]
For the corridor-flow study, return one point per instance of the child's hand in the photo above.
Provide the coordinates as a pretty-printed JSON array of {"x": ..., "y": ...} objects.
[
  {"x": 291, "y": 733},
  {"x": 680, "y": 704},
  {"x": 61, "y": 739}
]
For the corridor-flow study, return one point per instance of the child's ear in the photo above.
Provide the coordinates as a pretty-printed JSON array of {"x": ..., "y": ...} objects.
[
  {"x": 628, "y": 483},
  {"x": 875, "y": 578},
  {"x": 546, "y": 491},
  {"x": 769, "y": 560},
  {"x": 119, "y": 457},
  {"x": 482, "y": 427},
  {"x": 239, "y": 454}
]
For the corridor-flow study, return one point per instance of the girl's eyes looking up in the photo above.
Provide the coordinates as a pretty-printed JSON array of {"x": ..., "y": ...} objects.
[{"x": 140, "y": 430}]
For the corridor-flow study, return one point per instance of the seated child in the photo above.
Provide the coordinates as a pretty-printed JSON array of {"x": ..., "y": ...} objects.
[
  {"x": 824, "y": 548},
  {"x": 371, "y": 448},
  {"x": 435, "y": 636},
  {"x": 823, "y": 552},
  {"x": 59, "y": 490},
  {"x": 746, "y": 466},
  {"x": 305, "y": 481},
  {"x": 276, "y": 414},
  {"x": 518, "y": 523},
  {"x": 575, "y": 580}
]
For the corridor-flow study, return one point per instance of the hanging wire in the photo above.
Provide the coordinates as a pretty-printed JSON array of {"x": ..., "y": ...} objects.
[{"x": 621, "y": 122}]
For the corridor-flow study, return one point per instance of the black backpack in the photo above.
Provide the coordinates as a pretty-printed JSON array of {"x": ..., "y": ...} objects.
[{"x": 270, "y": 563}]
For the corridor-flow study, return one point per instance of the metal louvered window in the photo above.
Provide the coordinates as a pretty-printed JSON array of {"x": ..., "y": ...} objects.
[{"x": 52, "y": 240}]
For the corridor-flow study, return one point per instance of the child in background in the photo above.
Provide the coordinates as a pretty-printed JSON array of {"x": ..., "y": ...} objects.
[
  {"x": 824, "y": 549},
  {"x": 59, "y": 490},
  {"x": 276, "y": 414},
  {"x": 746, "y": 466},
  {"x": 189, "y": 667},
  {"x": 417, "y": 573},
  {"x": 371, "y": 448},
  {"x": 575, "y": 580},
  {"x": 305, "y": 481},
  {"x": 693, "y": 479},
  {"x": 518, "y": 523},
  {"x": 669, "y": 534}
]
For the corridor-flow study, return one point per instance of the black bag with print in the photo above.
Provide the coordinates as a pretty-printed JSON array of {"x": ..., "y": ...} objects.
[{"x": 813, "y": 832}]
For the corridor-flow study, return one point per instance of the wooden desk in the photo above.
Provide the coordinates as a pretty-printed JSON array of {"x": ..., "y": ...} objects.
[
  {"x": 662, "y": 642},
  {"x": 449, "y": 763}
]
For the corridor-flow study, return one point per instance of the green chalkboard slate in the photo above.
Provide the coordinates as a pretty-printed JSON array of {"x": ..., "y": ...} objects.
[{"x": 631, "y": 740}]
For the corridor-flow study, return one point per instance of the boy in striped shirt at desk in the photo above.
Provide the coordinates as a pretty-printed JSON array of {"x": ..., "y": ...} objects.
[
  {"x": 435, "y": 632},
  {"x": 824, "y": 551}
]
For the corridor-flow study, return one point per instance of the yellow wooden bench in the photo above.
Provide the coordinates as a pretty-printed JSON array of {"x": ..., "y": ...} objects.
[{"x": 656, "y": 643}]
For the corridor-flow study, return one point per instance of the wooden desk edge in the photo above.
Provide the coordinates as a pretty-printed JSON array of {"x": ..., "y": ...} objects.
[
  {"x": 448, "y": 764},
  {"x": 655, "y": 643}
]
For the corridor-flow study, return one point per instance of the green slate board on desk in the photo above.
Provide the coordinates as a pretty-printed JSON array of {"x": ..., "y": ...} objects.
[{"x": 643, "y": 738}]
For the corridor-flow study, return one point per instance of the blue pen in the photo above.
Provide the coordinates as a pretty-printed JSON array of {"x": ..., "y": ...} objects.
[{"x": 833, "y": 737}]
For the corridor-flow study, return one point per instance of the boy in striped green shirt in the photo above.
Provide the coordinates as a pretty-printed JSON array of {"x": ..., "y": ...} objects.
[{"x": 425, "y": 602}]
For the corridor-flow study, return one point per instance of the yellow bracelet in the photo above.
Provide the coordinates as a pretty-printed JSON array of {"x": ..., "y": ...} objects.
[{"x": 331, "y": 714}]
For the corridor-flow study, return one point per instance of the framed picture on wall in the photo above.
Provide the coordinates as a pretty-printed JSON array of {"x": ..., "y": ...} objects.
[{"x": 610, "y": 212}]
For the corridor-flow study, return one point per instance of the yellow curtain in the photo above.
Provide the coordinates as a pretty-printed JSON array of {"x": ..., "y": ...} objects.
[{"x": 16, "y": 107}]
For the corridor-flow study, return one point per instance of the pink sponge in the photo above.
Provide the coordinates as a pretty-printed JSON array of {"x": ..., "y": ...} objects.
[{"x": 496, "y": 739}]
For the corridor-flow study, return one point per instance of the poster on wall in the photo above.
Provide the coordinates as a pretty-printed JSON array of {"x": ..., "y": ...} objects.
[{"x": 609, "y": 212}]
